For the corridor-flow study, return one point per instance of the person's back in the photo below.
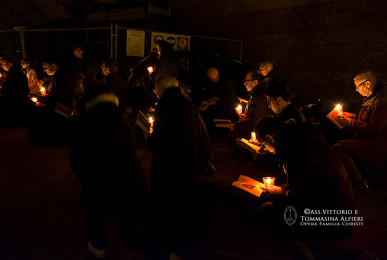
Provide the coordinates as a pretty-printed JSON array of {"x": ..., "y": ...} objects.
[
  {"x": 103, "y": 158},
  {"x": 317, "y": 177},
  {"x": 181, "y": 148}
]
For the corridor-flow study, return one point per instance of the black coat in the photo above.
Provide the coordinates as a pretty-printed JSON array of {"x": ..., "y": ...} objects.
[
  {"x": 181, "y": 147},
  {"x": 15, "y": 89},
  {"x": 103, "y": 158},
  {"x": 291, "y": 112},
  {"x": 256, "y": 109}
]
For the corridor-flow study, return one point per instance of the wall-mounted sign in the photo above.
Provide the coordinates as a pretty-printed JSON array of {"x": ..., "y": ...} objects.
[
  {"x": 179, "y": 42},
  {"x": 135, "y": 43}
]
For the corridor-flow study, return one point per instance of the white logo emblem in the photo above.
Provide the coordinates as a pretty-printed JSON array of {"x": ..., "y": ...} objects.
[{"x": 290, "y": 215}]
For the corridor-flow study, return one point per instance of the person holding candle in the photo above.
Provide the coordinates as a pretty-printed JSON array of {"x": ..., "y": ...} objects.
[
  {"x": 221, "y": 97},
  {"x": 316, "y": 176},
  {"x": 31, "y": 75},
  {"x": 256, "y": 108},
  {"x": 369, "y": 128}
]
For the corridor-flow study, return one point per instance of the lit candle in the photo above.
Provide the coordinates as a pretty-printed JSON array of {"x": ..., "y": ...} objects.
[
  {"x": 269, "y": 182},
  {"x": 339, "y": 109},
  {"x": 151, "y": 121},
  {"x": 253, "y": 136},
  {"x": 34, "y": 99},
  {"x": 43, "y": 91},
  {"x": 239, "y": 109},
  {"x": 150, "y": 70}
]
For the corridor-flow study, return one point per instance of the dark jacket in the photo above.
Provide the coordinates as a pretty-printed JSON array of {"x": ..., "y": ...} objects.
[
  {"x": 316, "y": 176},
  {"x": 256, "y": 109},
  {"x": 117, "y": 85},
  {"x": 181, "y": 147},
  {"x": 103, "y": 158},
  {"x": 57, "y": 91},
  {"x": 370, "y": 128},
  {"x": 227, "y": 93},
  {"x": 15, "y": 89},
  {"x": 291, "y": 112},
  {"x": 166, "y": 65}
]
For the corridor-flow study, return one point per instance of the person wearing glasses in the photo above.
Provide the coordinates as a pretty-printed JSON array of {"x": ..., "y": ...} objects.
[
  {"x": 256, "y": 106},
  {"x": 278, "y": 98},
  {"x": 316, "y": 179},
  {"x": 369, "y": 130}
]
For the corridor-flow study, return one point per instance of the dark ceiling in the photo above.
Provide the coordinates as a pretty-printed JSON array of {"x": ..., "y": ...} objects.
[{"x": 65, "y": 13}]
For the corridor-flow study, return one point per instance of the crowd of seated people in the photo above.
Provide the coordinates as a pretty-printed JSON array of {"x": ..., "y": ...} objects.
[{"x": 181, "y": 137}]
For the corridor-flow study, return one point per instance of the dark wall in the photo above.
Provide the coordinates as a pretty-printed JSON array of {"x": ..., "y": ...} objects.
[{"x": 318, "y": 45}]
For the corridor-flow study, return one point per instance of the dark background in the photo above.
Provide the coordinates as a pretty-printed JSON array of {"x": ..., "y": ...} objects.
[{"x": 317, "y": 45}]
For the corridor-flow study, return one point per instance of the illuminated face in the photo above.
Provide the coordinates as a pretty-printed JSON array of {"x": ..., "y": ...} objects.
[
  {"x": 249, "y": 83},
  {"x": 364, "y": 87},
  {"x": 105, "y": 70},
  {"x": 268, "y": 143},
  {"x": 78, "y": 52},
  {"x": 6, "y": 65},
  {"x": 50, "y": 69},
  {"x": 264, "y": 70},
  {"x": 158, "y": 50},
  {"x": 213, "y": 74},
  {"x": 24, "y": 64},
  {"x": 273, "y": 104}
]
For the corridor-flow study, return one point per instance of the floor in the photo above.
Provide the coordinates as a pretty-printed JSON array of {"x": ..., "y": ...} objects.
[{"x": 40, "y": 216}]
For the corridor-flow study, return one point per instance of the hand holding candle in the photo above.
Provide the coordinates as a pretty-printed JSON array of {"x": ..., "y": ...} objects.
[
  {"x": 43, "y": 91},
  {"x": 238, "y": 109},
  {"x": 269, "y": 182},
  {"x": 339, "y": 109}
]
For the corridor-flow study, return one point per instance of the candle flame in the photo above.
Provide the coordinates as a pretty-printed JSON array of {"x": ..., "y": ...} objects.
[
  {"x": 339, "y": 109},
  {"x": 34, "y": 99},
  {"x": 239, "y": 109},
  {"x": 150, "y": 70},
  {"x": 151, "y": 119},
  {"x": 253, "y": 136}
]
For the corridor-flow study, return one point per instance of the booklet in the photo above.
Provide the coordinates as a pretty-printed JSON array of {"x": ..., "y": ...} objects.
[
  {"x": 334, "y": 117},
  {"x": 247, "y": 145},
  {"x": 250, "y": 185},
  {"x": 63, "y": 111},
  {"x": 223, "y": 123},
  {"x": 143, "y": 122}
]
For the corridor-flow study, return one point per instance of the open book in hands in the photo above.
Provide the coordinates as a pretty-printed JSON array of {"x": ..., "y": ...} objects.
[
  {"x": 252, "y": 186},
  {"x": 339, "y": 120},
  {"x": 255, "y": 149},
  {"x": 143, "y": 122}
]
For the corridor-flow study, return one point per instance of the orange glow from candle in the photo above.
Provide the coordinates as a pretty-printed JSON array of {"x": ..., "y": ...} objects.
[
  {"x": 34, "y": 99},
  {"x": 239, "y": 109},
  {"x": 269, "y": 182},
  {"x": 339, "y": 109},
  {"x": 253, "y": 136},
  {"x": 150, "y": 70},
  {"x": 43, "y": 91}
]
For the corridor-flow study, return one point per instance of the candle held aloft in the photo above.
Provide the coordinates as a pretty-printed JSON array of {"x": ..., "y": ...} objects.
[
  {"x": 239, "y": 109},
  {"x": 339, "y": 109},
  {"x": 268, "y": 182}
]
